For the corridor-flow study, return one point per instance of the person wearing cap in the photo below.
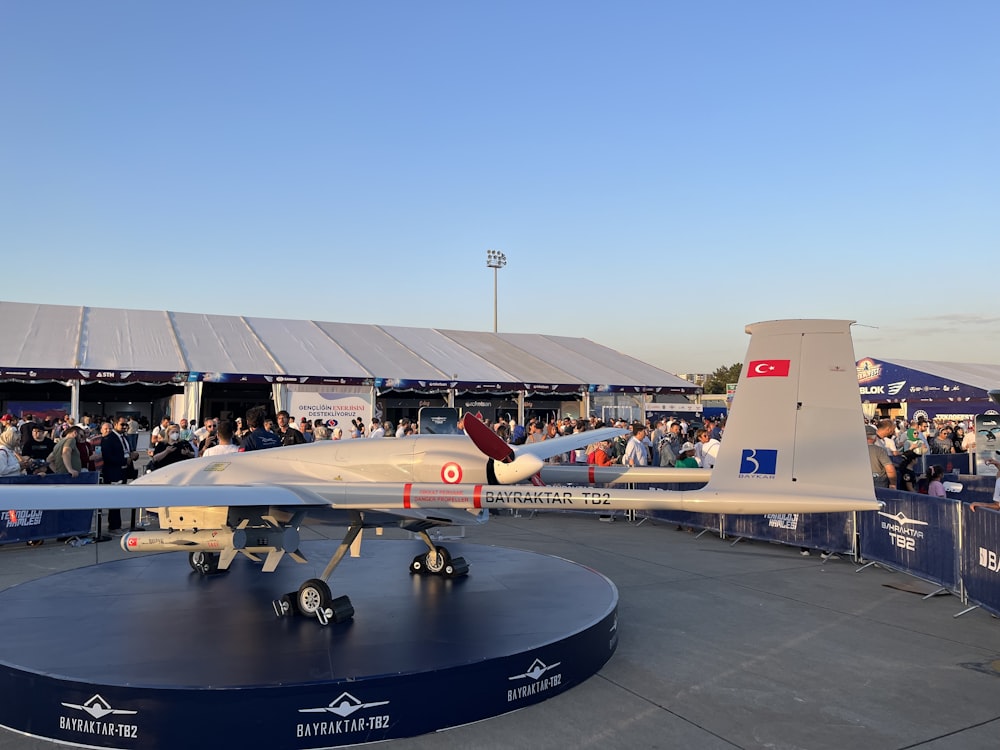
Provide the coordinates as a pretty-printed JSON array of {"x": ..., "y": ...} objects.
[
  {"x": 687, "y": 458},
  {"x": 883, "y": 470},
  {"x": 37, "y": 450},
  {"x": 66, "y": 458}
]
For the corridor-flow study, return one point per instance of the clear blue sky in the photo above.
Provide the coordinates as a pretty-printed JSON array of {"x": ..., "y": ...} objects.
[{"x": 659, "y": 174}]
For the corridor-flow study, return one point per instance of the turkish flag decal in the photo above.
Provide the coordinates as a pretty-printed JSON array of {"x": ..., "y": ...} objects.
[{"x": 768, "y": 368}]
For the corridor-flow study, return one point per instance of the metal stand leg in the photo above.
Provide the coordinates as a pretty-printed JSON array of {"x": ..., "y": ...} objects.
[
  {"x": 941, "y": 590},
  {"x": 98, "y": 537}
]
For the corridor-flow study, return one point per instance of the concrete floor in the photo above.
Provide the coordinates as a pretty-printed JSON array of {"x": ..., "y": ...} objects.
[{"x": 720, "y": 646}]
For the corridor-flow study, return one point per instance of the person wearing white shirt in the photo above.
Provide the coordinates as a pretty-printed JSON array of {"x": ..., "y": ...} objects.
[
  {"x": 225, "y": 445},
  {"x": 635, "y": 449}
]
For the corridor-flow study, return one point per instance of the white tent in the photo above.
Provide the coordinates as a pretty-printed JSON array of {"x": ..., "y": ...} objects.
[{"x": 89, "y": 344}]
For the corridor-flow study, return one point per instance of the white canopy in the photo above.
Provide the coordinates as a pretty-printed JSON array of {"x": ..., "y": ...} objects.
[{"x": 93, "y": 343}]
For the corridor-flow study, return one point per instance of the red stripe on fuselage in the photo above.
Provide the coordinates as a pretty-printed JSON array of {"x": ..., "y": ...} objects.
[
  {"x": 406, "y": 495},
  {"x": 591, "y": 475},
  {"x": 477, "y": 496}
]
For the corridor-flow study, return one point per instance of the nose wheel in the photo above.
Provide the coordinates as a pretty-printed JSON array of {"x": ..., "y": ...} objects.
[{"x": 314, "y": 599}]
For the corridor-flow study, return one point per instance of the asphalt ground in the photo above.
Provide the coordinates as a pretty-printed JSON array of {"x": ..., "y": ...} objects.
[{"x": 720, "y": 646}]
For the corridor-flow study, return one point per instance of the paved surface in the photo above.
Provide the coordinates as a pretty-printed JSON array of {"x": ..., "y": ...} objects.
[{"x": 721, "y": 646}]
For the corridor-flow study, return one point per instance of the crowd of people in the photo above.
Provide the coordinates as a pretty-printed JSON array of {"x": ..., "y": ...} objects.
[
  {"x": 29, "y": 446},
  {"x": 665, "y": 442},
  {"x": 895, "y": 447},
  {"x": 108, "y": 446}
]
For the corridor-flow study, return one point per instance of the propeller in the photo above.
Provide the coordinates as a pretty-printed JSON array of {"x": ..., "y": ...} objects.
[
  {"x": 486, "y": 440},
  {"x": 508, "y": 465}
]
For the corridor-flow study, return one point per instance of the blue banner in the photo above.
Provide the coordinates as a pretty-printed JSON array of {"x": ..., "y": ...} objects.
[
  {"x": 826, "y": 531},
  {"x": 26, "y": 525},
  {"x": 981, "y": 558},
  {"x": 913, "y": 533},
  {"x": 925, "y": 394}
]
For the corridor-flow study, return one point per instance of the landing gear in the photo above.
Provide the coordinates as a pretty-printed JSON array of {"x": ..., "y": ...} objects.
[
  {"x": 313, "y": 597},
  {"x": 205, "y": 563},
  {"x": 438, "y": 561},
  {"x": 315, "y": 600}
]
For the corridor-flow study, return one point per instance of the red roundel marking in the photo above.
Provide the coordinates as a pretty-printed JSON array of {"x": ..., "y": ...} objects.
[{"x": 451, "y": 473}]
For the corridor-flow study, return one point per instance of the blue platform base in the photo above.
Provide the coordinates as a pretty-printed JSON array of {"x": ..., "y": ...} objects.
[{"x": 145, "y": 653}]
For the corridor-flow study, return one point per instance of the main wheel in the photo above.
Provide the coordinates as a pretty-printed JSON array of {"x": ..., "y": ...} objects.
[
  {"x": 204, "y": 562},
  {"x": 437, "y": 561},
  {"x": 313, "y": 596}
]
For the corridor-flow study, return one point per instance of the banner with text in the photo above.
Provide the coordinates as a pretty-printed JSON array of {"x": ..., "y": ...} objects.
[
  {"x": 981, "y": 558},
  {"x": 914, "y": 533},
  {"x": 335, "y": 409}
]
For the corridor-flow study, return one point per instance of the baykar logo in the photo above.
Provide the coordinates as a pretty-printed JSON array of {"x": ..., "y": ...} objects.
[{"x": 760, "y": 463}]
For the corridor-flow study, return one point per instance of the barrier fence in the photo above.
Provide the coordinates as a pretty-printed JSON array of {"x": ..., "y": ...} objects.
[
  {"x": 936, "y": 540},
  {"x": 29, "y": 525}
]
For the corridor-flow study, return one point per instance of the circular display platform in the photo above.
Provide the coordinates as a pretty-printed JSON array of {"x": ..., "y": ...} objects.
[{"x": 145, "y": 653}]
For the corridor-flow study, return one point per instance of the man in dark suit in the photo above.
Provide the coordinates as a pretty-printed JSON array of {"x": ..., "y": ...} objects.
[{"x": 117, "y": 457}]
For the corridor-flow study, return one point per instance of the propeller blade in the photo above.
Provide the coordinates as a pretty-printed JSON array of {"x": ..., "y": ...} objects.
[{"x": 486, "y": 440}]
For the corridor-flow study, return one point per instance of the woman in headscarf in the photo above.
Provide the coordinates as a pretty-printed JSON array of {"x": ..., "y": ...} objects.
[
  {"x": 598, "y": 453},
  {"x": 10, "y": 461},
  {"x": 958, "y": 438}
]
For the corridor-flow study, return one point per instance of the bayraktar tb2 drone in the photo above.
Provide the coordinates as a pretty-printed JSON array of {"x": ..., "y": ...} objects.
[{"x": 794, "y": 443}]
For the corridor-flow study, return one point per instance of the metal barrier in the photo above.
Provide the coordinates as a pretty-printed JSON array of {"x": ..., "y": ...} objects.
[
  {"x": 980, "y": 559},
  {"x": 916, "y": 534},
  {"x": 933, "y": 539}
]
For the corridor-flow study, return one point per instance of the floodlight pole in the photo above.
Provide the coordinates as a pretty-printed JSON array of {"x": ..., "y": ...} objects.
[{"x": 495, "y": 260}]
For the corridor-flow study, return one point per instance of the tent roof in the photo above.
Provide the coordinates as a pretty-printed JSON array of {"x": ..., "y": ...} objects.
[
  {"x": 983, "y": 376},
  {"x": 96, "y": 343}
]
